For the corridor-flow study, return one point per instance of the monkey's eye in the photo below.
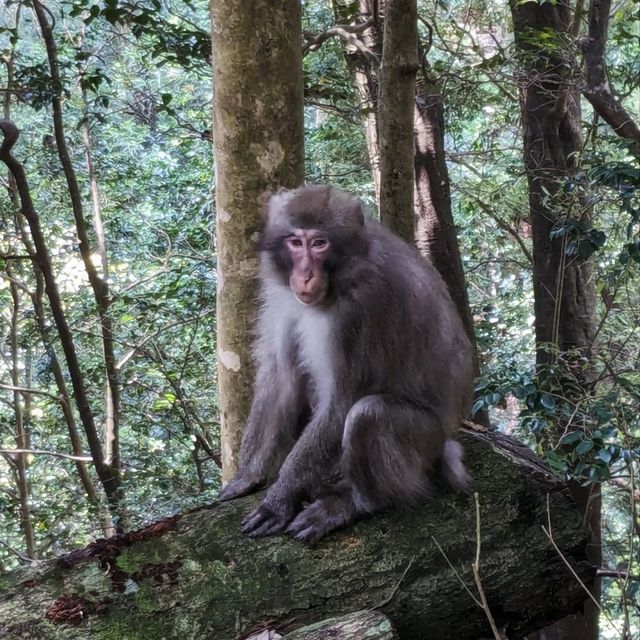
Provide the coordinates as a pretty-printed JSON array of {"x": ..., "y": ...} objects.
[
  {"x": 294, "y": 241},
  {"x": 320, "y": 243}
]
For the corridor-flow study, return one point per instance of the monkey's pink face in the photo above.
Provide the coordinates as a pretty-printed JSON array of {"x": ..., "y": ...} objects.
[{"x": 308, "y": 249}]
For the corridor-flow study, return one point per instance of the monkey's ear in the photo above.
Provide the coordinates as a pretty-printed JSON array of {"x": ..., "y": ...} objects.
[
  {"x": 349, "y": 208},
  {"x": 275, "y": 203}
]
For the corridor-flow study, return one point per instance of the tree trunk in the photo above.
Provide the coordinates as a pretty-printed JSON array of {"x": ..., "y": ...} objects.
[
  {"x": 195, "y": 576},
  {"x": 564, "y": 285},
  {"x": 395, "y": 116},
  {"x": 364, "y": 73},
  {"x": 20, "y": 435},
  {"x": 258, "y": 139},
  {"x": 111, "y": 403},
  {"x": 436, "y": 236}
]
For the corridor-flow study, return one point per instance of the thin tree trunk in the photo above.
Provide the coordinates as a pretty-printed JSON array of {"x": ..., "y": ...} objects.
[
  {"x": 435, "y": 231},
  {"x": 19, "y": 427},
  {"x": 58, "y": 376},
  {"x": 364, "y": 72},
  {"x": 99, "y": 285},
  {"x": 396, "y": 115},
  {"x": 564, "y": 287},
  {"x": 111, "y": 428},
  {"x": 20, "y": 461},
  {"x": 258, "y": 134}
]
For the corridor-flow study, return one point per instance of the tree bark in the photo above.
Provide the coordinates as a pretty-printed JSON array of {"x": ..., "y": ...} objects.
[
  {"x": 598, "y": 90},
  {"x": 258, "y": 139},
  {"x": 364, "y": 73},
  {"x": 195, "y": 576},
  {"x": 371, "y": 625},
  {"x": 396, "y": 114},
  {"x": 435, "y": 231},
  {"x": 564, "y": 284}
]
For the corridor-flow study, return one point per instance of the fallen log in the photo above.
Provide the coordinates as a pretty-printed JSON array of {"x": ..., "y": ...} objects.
[{"x": 194, "y": 576}]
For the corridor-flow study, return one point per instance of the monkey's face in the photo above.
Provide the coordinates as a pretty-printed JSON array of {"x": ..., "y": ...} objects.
[
  {"x": 310, "y": 234},
  {"x": 307, "y": 251}
]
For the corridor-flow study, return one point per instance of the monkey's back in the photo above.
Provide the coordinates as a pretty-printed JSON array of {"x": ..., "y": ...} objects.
[{"x": 411, "y": 329}]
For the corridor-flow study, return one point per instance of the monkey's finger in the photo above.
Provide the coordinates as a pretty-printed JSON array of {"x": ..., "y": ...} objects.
[
  {"x": 309, "y": 518},
  {"x": 310, "y": 535},
  {"x": 263, "y": 522},
  {"x": 236, "y": 488},
  {"x": 267, "y": 527}
]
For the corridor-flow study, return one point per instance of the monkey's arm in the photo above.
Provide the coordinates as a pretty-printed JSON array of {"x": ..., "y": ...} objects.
[
  {"x": 312, "y": 462},
  {"x": 270, "y": 432}
]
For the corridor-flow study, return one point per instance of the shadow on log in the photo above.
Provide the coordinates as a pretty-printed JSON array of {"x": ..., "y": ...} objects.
[{"x": 194, "y": 576}]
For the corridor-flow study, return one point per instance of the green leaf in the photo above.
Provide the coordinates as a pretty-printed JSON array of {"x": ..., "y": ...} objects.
[
  {"x": 477, "y": 406},
  {"x": 548, "y": 402},
  {"x": 571, "y": 437},
  {"x": 584, "y": 447}
]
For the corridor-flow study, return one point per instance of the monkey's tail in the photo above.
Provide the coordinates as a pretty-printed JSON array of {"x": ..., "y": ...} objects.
[{"x": 453, "y": 469}]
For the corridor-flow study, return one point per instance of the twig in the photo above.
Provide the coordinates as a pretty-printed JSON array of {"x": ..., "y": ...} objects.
[
  {"x": 387, "y": 600},
  {"x": 476, "y": 574},
  {"x": 43, "y": 452},
  {"x": 10, "y": 387},
  {"x": 20, "y": 556},
  {"x": 586, "y": 589},
  {"x": 462, "y": 582}
]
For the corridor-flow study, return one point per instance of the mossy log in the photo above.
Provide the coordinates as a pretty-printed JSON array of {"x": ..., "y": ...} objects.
[{"x": 194, "y": 576}]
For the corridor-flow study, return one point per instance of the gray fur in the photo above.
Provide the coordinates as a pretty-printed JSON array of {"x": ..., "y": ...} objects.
[{"x": 383, "y": 365}]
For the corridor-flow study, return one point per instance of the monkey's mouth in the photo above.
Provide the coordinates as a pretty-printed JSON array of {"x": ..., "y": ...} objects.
[{"x": 308, "y": 298}]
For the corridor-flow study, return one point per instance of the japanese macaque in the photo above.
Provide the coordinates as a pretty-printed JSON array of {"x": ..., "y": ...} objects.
[{"x": 364, "y": 371}]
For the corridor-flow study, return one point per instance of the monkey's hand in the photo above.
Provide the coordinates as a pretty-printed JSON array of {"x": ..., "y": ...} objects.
[
  {"x": 240, "y": 486},
  {"x": 321, "y": 517},
  {"x": 265, "y": 520}
]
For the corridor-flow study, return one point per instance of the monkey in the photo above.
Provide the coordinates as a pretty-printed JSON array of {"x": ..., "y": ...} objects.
[{"x": 364, "y": 371}]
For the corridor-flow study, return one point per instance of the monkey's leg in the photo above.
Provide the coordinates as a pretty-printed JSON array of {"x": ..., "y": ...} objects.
[
  {"x": 271, "y": 431},
  {"x": 388, "y": 446},
  {"x": 313, "y": 459}
]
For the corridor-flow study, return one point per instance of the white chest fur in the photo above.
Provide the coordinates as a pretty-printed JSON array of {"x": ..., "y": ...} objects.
[{"x": 312, "y": 329}]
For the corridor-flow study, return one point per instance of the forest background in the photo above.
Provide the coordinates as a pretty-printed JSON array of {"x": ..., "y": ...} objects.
[{"x": 116, "y": 143}]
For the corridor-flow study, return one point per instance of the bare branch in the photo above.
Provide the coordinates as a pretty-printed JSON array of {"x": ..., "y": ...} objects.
[
  {"x": 15, "y": 552},
  {"x": 346, "y": 32},
  {"x": 10, "y": 387},
  {"x": 598, "y": 89},
  {"x": 476, "y": 575},
  {"x": 43, "y": 452}
]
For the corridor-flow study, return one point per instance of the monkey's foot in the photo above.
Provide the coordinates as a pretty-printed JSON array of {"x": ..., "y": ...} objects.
[
  {"x": 321, "y": 517},
  {"x": 239, "y": 486},
  {"x": 263, "y": 521}
]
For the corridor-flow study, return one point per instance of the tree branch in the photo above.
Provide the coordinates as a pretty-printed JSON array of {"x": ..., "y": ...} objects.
[
  {"x": 10, "y": 387},
  {"x": 44, "y": 452},
  {"x": 346, "y": 32},
  {"x": 598, "y": 89}
]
